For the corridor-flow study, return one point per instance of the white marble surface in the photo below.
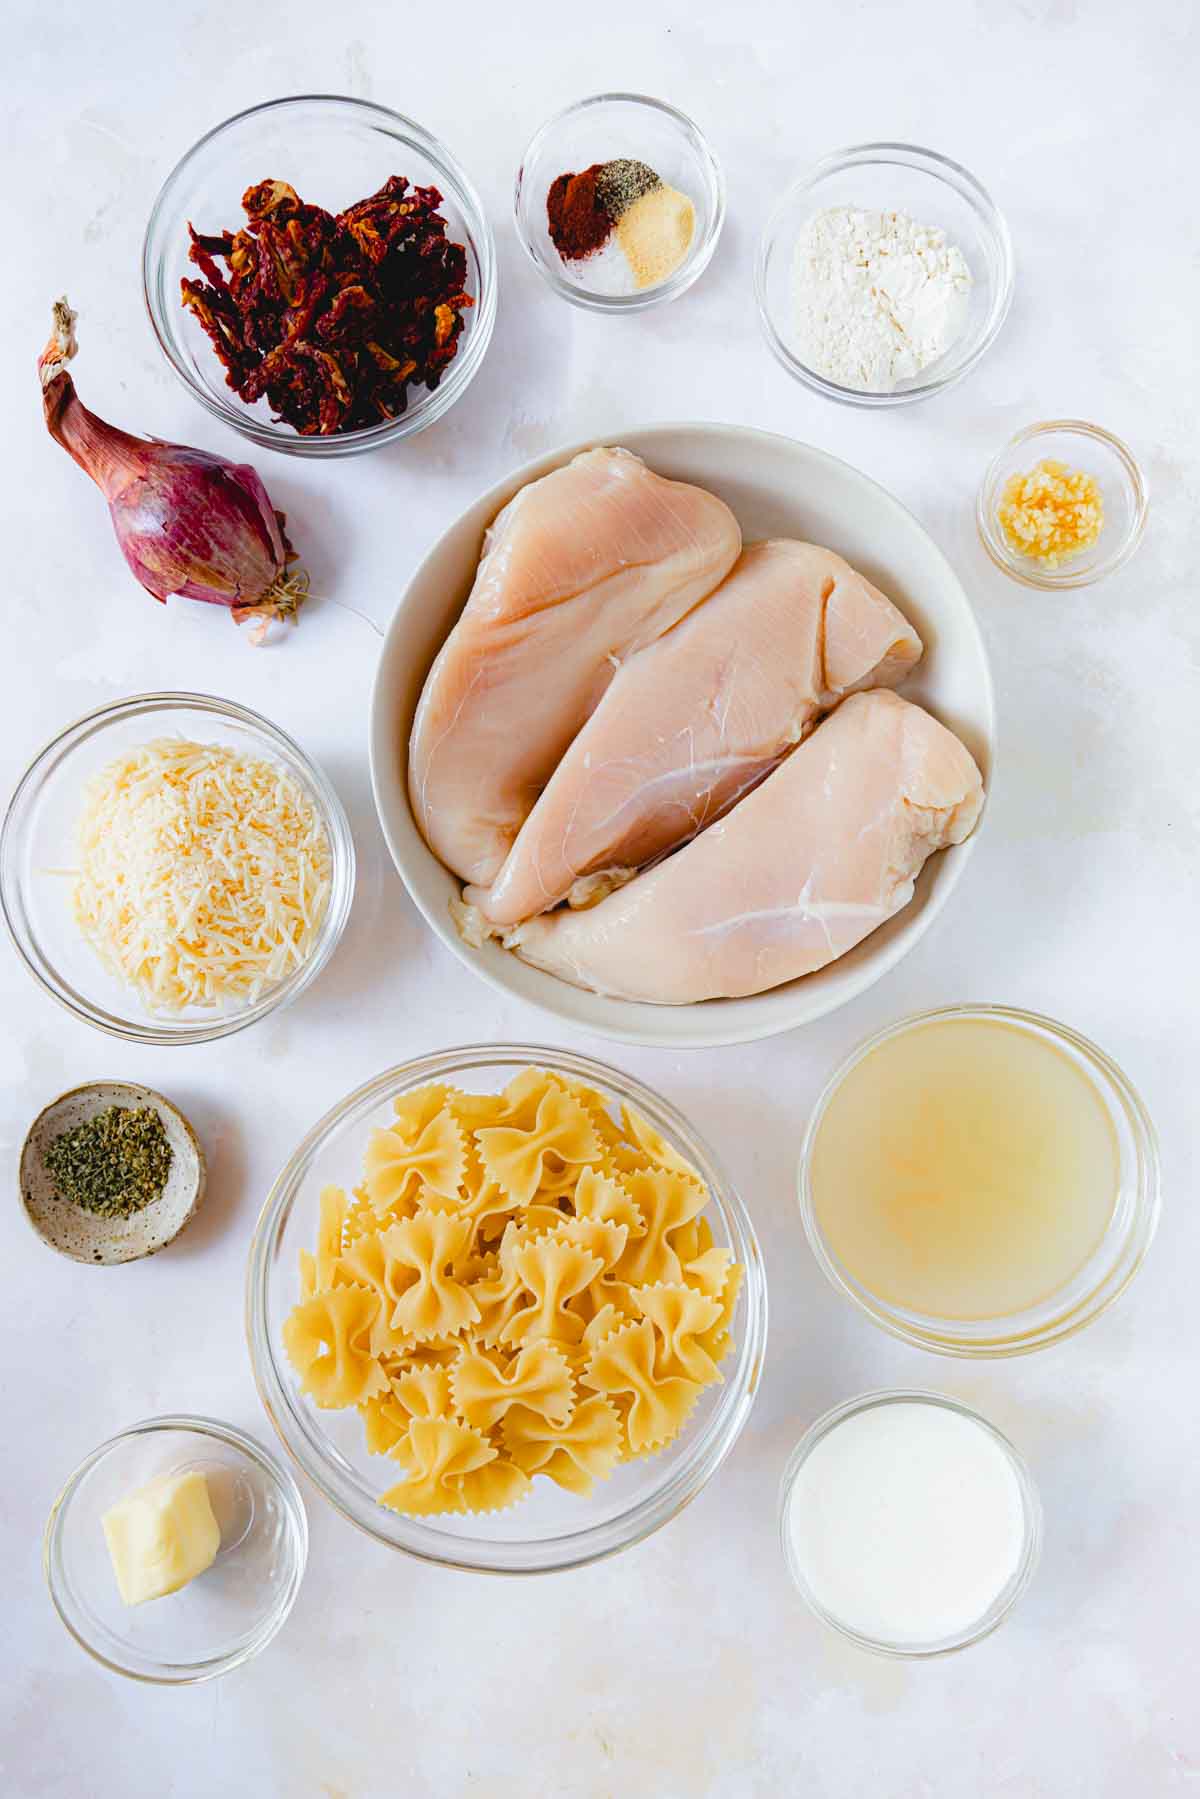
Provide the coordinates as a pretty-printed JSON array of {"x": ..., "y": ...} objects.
[{"x": 685, "y": 1669}]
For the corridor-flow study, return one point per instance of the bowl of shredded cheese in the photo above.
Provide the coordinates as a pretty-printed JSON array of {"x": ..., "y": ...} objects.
[
  {"x": 1063, "y": 504},
  {"x": 173, "y": 867}
]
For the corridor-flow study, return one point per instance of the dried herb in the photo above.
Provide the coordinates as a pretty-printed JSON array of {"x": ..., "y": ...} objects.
[
  {"x": 332, "y": 318},
  {"x": 113, "y": 1164}
]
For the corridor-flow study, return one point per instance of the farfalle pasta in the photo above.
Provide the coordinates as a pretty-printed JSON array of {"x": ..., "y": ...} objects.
[{"x": 521, "y": 1286}]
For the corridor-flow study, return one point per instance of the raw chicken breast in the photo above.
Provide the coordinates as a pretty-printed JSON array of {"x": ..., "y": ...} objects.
[
  {"x": 801, "y": 870},
  {"x": 694, "y": 721},
  {"x": 580, "y": 569}
]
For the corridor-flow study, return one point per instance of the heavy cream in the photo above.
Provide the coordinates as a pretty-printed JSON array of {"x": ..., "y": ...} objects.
[{"x": 906, "y": 1523}]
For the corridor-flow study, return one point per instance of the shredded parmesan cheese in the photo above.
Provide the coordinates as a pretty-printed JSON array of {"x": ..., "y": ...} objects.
[{"x": 203, "y": 875}]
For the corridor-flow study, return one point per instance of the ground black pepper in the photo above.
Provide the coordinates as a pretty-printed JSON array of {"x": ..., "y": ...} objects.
[{"x": 620, "y": 182}]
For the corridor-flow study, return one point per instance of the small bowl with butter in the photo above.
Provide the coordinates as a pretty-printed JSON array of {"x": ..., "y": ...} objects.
[
  {"x": 176, "y": 1550},
  {"x": 1063, "y": 504}
]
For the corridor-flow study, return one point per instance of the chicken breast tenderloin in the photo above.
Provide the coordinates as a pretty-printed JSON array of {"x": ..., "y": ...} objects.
[
  {"x": 582, "y": 568},
  {"x": 806, "y": 866},
  {"x": 694, "y": 721}
]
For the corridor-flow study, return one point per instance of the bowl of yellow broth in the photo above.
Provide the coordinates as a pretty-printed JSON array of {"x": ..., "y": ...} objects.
[{"x": 980, "y": 1181}]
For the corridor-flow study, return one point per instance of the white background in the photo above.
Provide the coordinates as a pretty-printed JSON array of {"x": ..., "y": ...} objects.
[{"x": 685, "y": 1669}]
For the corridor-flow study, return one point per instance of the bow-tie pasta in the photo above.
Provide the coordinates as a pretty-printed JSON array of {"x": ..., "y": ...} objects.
[{"x": 523, "y": 1285}]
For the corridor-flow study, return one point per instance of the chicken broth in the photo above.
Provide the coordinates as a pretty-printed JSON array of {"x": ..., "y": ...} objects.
[{"x": 966, "y": 1168}]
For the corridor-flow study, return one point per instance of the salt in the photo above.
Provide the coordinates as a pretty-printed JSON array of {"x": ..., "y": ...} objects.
[
  {"x": 605, "y": 271},
  {"x": 906, "y": 1522}
]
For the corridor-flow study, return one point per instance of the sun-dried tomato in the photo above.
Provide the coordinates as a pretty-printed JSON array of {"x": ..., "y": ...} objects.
[{"x": 332, "y": 318}]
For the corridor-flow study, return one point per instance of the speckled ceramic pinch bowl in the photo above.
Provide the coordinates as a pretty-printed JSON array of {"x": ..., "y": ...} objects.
[{"x": 83, "y": 1235}]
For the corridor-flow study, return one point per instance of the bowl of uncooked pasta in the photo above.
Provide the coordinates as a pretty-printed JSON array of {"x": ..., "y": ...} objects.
[{"x": 505, "y": 1309}]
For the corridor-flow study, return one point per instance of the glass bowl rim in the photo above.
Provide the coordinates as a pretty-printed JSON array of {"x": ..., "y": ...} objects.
[
  {"x": 568, "y": 1549},
  {"x": 281, "y": 1475},
  {"x": 951, "y": 174},
  {"x": 267, "y": 434},
  {"x": 1124, "y": 1244},
  {"x": 1031, "y": 1507},
  {"x": 333, "y": 817},
  {"x": 1022, "y": 569},
  {"x": 697, "y": 259}
]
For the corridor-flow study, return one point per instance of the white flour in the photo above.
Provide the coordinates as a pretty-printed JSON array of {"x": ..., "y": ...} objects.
[{"x": 877, "y": 297}]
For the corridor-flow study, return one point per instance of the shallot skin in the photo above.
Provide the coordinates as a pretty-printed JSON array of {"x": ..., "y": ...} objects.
[
  {"x": 187, "y": 522},
  {"x": 198, "y": 526}
]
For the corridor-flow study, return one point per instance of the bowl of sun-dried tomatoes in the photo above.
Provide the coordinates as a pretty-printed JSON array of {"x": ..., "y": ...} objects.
[{"x": 320, "y": 275}]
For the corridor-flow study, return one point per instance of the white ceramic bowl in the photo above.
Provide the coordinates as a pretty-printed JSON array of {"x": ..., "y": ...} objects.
[{"x": 777, "y": 488}]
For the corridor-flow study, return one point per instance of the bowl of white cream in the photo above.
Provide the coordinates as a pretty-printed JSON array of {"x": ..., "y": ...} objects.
[{"x": 909, "y": 1523}]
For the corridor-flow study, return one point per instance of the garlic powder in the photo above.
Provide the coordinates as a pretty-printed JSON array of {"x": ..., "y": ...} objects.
[{"x": 877, "y": 297}]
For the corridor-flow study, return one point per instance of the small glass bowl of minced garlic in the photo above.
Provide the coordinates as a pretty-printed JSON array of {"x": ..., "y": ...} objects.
[{"x": 1063, "y": 504}]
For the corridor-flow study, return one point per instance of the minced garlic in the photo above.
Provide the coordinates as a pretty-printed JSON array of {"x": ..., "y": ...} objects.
[
  {"x": 655, "y": 233},
  {"x": 1052, "y": 512}
]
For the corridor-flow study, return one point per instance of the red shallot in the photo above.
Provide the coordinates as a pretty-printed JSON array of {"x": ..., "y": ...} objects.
[{"x": 187, "y": 522}]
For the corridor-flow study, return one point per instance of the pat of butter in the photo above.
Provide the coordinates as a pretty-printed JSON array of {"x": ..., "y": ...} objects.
[{"x": 161, "y": 1537}]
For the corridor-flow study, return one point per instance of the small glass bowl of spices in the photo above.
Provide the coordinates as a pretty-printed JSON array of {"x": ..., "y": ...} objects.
[
  {"x": 1063, "y": 504},
  {"x": 619, "y": 203}
]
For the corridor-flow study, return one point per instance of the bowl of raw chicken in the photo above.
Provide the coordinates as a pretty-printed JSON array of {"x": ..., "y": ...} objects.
[{"x": 684, "y": 736}]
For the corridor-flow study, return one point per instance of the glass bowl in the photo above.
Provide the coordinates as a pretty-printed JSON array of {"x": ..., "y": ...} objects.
[
  {"x": 933, "y": 191},
  {"x": 597, "y": 130},
  {"x": 37, "y": 851},
  {"x": 223, "y": 1617},
  {"x": 1102, "y": 1278},
  {"x": 550, "y": 1529},
  {"x": 1031, "y": 1544},
  {"x": 1123, "y": 487},
  {"x": 333, "y": 151}
]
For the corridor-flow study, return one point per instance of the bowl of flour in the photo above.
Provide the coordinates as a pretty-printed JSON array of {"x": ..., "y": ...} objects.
[{"x": 883, "y": 275}]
